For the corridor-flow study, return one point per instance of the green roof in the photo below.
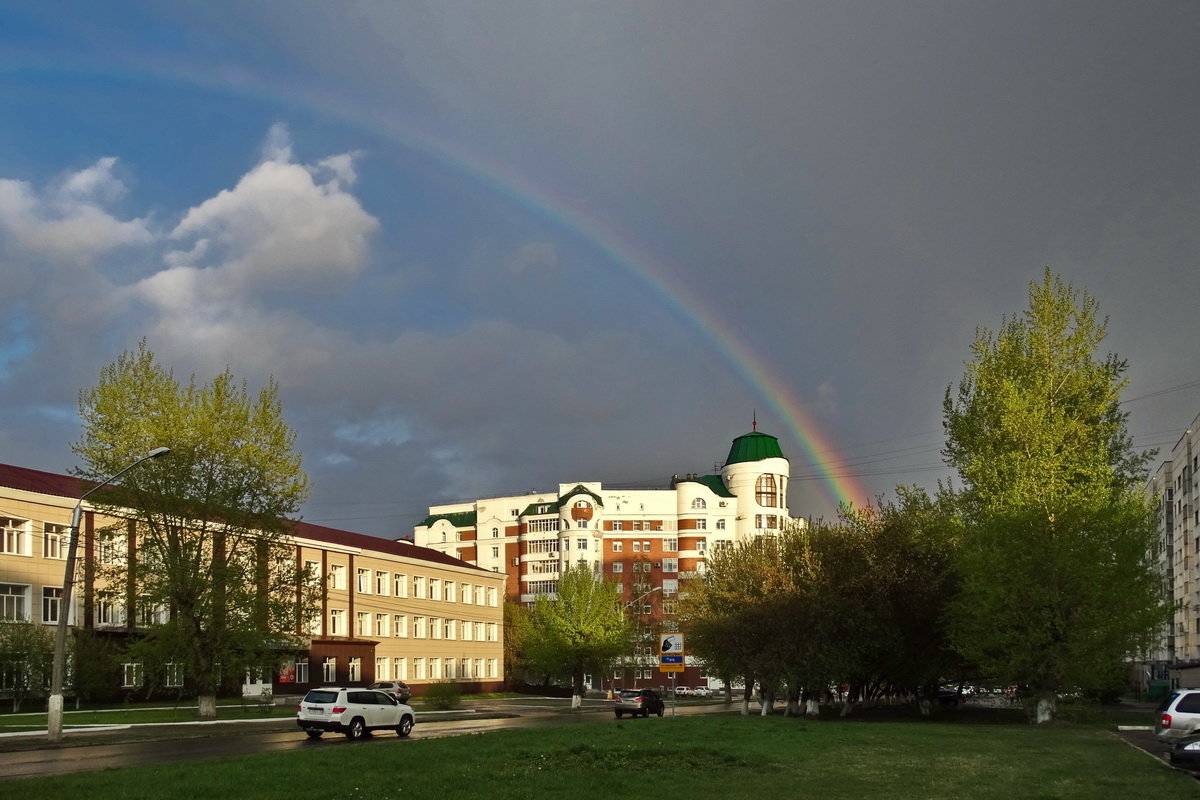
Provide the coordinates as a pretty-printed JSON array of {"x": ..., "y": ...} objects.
[
  {"x": 459, "y": 519},
  {"x": 579, "y": 489},
  {"x": 753, "y": 446},
  {"x": 714, "y": 483}
]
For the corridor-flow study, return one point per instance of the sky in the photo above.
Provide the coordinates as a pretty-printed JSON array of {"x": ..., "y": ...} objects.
[{"x": 485, "y": 248}]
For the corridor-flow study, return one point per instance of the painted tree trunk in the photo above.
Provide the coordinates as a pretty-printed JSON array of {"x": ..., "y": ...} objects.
[
  {"x": 812, "y": 708},
  {"x": 1045, "y": 706},
  {"x": 208, "y": 706}
]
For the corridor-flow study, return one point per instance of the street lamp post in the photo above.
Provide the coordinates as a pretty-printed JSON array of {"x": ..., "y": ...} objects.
[{"x": 54, "y": 716}]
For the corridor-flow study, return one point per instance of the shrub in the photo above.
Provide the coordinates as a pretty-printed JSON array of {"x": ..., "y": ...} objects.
[{"x": 444, "y": 695}]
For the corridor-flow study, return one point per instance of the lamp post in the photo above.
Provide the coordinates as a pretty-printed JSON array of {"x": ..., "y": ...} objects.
[{"x": 54, "y": 716}]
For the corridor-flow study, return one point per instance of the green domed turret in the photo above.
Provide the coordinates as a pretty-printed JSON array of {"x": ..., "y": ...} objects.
[{"x": 753, "y": 446}]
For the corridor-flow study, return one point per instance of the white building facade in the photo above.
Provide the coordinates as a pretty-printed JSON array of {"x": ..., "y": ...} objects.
[{"x": 645, "y": 540}]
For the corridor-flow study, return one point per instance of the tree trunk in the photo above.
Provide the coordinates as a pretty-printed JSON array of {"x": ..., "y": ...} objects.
[
  {"x": 577, "y": 691},
  {"x": 812, "y": 708},
  {"x": 1045, "y": 706},
  {"x": 747, "y": 693},
  {"x": 768, "y": 704},
  {"x": 208, "y": 706},
  {"x": 925, "y": 706}
]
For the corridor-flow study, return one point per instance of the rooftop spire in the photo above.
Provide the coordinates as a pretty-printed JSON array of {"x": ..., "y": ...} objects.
[{"x": 754, "y": 420}]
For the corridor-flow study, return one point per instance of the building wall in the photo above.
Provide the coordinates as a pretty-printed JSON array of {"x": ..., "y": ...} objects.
[{"x": 468, "y": 645}]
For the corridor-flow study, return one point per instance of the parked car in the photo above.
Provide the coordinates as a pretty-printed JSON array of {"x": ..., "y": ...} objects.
[
  {"x": 397, "y": 689},
  {"x": 684, "y": 691},
  {"x": 1186, "y": 752},
  {"x": 701, "y": 691},
  {"x": 638, "y": 701},
  {"x": 1178, "y": 715},
  {"x": 352, "y": 711}
]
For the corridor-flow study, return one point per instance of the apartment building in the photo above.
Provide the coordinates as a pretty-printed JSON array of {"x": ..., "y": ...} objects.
[
  {"x": 1176, "y": 487},
  {"x": 647, "y": 541},
  {"x": 388, "y": 610}
]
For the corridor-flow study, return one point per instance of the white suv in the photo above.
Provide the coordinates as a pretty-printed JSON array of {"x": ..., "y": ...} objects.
[
  {"x": 354, "y": 712},
  {"x": 1178, "y": 715}
]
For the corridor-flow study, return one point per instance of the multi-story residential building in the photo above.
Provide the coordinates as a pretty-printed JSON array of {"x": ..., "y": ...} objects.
[
  {"x": 647, "y": 541},
  {"x": 1176, "y": 485},
  {"x": 388, "y": 610}
]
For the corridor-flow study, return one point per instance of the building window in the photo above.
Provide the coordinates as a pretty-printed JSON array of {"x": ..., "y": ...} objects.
[
  {"x": 670, "y": 565},
  {"x": 670, "y": 545},
  {"x": 400, "y": 668},
  {"x": 301, "y": 674},
  {"x": 362, "y": 624},
  {"x": 448, "y": 626},
  {"x": 618, "y": 567},
  {"x": 701, "y": 545},
  {"x": 131, "y": 675},
  {"x": 581, "y": 544},
  {"x": 381, "y": 624},
  {"x": 337, "y": 576},
  {"x": 617, "y": 547},
  {"x": 14, "y": 535},
  {"x": 701, "y": 524},
  {"x": 478, "y": 595},
  {"x": 670, "y": 586},
  {"x": 699, "y": 503},
  {"x": 766, "y": 492},
  {"x": 399, "y": 585},
  {"x": 720, "y": 524},
  {"x": 14, "y": 602},
  {"x": 51, "y": 602},
  {"x": 337, "y": 622},
  {"x": 173, "y": 674},
  {"x": 435, "y": 669},
  {"x": 329, "y": 670},
  {"x": 419, "y": 669},
  {"x": 618, "y": 525},
  {"x": 491, "y": 632},
  {"x": 364, "y": 581},
  {"x": 418, "y": 627},
  {"x": 435, "y": 586},
  {"x": 418, "y": 586},
  {"x": 448, "y": 594},
  {"x": 492, "y": 668},
  {"x": 464, "y": 592},
  {"x": 355, "y": 669},
  {"x": 381, "y": 583},
  {"x": 109, "y": 614},
  {"x": 448, "y": 668},
  {"x": 495, "y": 554},
  {"x": 495, "y": 533},
  {"x": 55, "y": 540},
  {"x": 399, "y": 625},
  {"x": 466, "y": 630},
  {"x": 491, "y": 596}
]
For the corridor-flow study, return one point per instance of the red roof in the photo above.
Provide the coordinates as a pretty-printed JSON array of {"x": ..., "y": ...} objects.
[{"x": 34, "y": 480}]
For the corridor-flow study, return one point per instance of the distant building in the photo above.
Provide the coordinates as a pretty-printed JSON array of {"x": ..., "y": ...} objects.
[
  {"x": 388, "y": 610},
  {"x": 1176, "y": 485},
  {"x": 645, "y": 540}
]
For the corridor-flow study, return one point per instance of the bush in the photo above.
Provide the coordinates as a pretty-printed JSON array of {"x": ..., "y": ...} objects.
[{"x": 444, "y": 695}]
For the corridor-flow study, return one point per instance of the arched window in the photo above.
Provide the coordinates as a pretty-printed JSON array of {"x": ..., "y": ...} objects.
[
  {"x": 699, "y": 503},
  {"x": 766, "y": 492}
]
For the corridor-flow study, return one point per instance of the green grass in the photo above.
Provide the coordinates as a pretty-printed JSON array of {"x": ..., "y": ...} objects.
[{"x": 714, "y": 756}]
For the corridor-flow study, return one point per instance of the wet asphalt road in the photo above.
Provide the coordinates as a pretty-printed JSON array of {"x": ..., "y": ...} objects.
[{"x": 285, "y": 736}]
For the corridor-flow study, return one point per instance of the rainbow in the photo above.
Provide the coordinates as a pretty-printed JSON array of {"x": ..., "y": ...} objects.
[{"x": 572, "y": 215}]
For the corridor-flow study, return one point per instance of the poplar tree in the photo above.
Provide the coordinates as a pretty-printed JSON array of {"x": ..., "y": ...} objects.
[
  {"x": 211, "y": 581},
  {"x": 1059, "y": 582},
  {"x": 580, "y": 630}
]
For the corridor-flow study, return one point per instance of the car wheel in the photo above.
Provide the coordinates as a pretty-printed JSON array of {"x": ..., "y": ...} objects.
[
  {"x": 313, "y": 733},
  {"x": 645, "y": 713},
  {"x": 405, "y": 727},
  {"x": 619, "y": 714},
  {"x": 660, "y": 711},
  {"x": 358, "y": 729}
]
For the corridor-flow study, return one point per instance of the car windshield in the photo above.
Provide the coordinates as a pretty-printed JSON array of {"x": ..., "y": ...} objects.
[
  {"x": 320, "y": 696},
  {"x": 628, "y": 693}
]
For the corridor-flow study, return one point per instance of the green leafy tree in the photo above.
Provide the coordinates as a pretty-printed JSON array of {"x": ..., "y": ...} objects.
[
  {"x": 581, "y": 630},
  {"x": 212, "y": 580},
  {"x": 26, "y": 649},
  {"x": 1057, "y": 560}
]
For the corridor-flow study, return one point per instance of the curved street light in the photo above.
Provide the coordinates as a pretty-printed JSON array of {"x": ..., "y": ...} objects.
[{"x": 54, "y": 715}]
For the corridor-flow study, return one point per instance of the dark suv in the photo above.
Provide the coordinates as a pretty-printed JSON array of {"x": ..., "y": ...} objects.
[{"x": 637, "y": 701}]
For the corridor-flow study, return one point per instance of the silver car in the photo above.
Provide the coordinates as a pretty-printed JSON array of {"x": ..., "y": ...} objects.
[
  {"x": 1178, "y": 715},
  {"x": 352, "y": 711}
]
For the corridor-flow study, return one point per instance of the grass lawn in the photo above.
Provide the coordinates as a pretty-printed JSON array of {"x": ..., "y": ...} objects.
[{"x": 714, "y": 756}]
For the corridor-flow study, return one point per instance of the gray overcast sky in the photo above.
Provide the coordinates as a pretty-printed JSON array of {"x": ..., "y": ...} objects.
[{"x": 486, "y": 247}]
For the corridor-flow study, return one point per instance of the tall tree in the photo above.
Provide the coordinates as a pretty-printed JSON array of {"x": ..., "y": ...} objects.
[
  {"x": 212, "y": 577},
  {"x": 26, "y": 649},
  {"x": 1059, "y": 582},
  {"x": 582, "y": 629}
]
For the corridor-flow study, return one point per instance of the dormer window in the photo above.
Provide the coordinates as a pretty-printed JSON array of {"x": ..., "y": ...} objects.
[{"x": 699, "y": 503}]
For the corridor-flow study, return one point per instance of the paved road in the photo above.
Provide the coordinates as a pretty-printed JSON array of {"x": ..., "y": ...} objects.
[{"x": 285, "y": 736}]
